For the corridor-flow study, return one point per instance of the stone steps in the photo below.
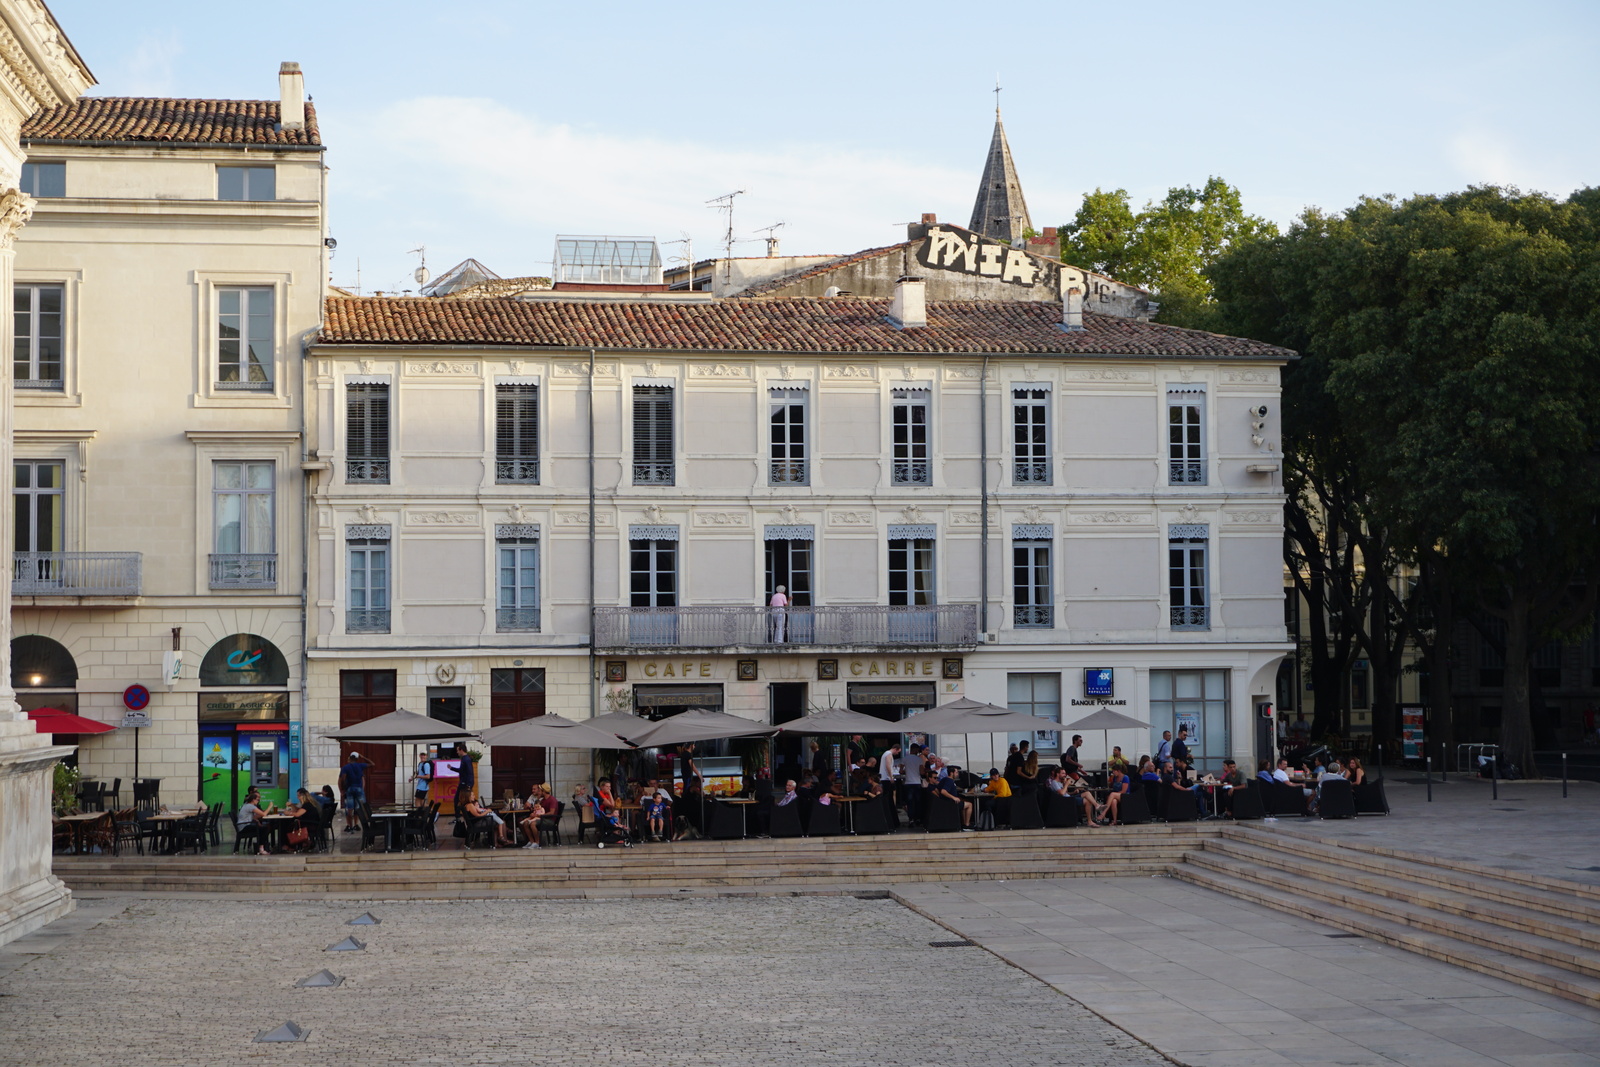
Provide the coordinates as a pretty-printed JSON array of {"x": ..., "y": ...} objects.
[{"x": 1549, "y": 948}]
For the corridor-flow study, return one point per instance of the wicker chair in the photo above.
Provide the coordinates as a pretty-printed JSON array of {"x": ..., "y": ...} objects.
[
  {"x": 101, "y": 834},
  {"x": 126, "y": 823}
]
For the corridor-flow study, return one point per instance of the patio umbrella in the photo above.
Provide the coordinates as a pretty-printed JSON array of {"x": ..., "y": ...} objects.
[
  {"x": 403, "y": 727},
  {"x": 1106, "y": 720},
  {"x": 620, "y": 723},
  {"x": 62, "y": 721},
  {"x": 698, "y": 724},
  {"x": 964, "y": 716},
  {"x": 838, "y": 721},
  {"x": 552, "y": 732}
]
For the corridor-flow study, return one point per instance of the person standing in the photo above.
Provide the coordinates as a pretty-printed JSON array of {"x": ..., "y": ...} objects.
[
  {"x": 1164, "y": 749},
  {"x": 1069, "y": 758},
  {"x": 912, "y": 768},
  {"x": 778, "y": 606},
  {"x": 888, "y": 772},
  {"x": 352, "y": 786},
  {"x": 1180, "y": 747},
  {"x": 467, "y": 782},
  {"x": 422, "y": 779}
]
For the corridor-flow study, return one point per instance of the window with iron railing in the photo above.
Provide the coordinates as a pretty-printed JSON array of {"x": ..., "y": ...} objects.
[
  {"x": 517, "y": 573},
  {"x": 516, "y": 434},
  {"x": 908, "y": 442},
  {"x": 1188, "y": 601},
  {"x": 244, "y": 506},
  {"x": 787, "y": 426},
  {"x": 367, "y": 432},
  {"x": 653, "y": 454},
  {"x": 1186, "y": 457},
  {"x": 367, "y": 610},
  {"x": 1032, "y": 602},
  {"x": 1030, "y": 436}
]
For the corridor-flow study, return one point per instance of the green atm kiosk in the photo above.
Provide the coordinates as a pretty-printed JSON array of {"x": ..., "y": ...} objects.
[{"x": 245, "y": 732}]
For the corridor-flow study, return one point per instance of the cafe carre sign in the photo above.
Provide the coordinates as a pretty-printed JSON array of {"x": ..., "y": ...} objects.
[{"x": 964, "y": 252}]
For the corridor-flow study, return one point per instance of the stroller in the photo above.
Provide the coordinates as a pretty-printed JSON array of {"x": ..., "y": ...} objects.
[{"x": 608, "y": 827}]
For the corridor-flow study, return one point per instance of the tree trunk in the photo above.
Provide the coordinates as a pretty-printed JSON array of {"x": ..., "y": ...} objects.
[{"x": 1516, "y": 721}]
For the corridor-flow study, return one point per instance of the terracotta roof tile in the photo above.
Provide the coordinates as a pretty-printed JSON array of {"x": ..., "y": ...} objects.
[
  {"x": 161, "y": 120},
  {"x": 817, "y": 325}
]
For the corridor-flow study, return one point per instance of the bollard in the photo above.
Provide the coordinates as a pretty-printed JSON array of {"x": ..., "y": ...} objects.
[
  {"x": 1380, "y": 763},
  {"x": 1444, "y": 765},
  {"x": 1563, "y": 776},
  {"x": 1427, "y": 769}
]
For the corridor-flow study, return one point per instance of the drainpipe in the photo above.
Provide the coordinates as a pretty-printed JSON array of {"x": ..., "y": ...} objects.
[
  {"x": 983, "y": 497},
  {"x": 593, "y": 680}
]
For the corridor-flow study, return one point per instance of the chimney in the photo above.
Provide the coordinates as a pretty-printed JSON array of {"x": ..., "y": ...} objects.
[
  {"x": 772, "y": 247},
  {"x": 291, "y": 97},
  {"x": 1072, "y": 309},
  {"x": 909, "y": 308},
  {"x": 930, "y": 219},
  {"x": 1050, "y": 233}
]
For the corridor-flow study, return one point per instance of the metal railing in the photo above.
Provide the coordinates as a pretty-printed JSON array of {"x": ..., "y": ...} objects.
[
  {"x": 514, "y": 470},
  {"x": 43, "y": 384},
  {"x": 244, "y": 570},
  {"x": 1186, "y": 472},
  {"x": 1028, "y": 472},
  {"x": 244, "y": 387},
  {"x": 934, "y": 626},
  {"x": 1191, "y": 618},
  {"x": 653, "y": 474},
  {"x": 787, "y": 472},
  {"x": 912, "y": 472},
  {"x": 76, "y": 573},
  {"x": 366, "y": 621},
  {"x": 1038, "y": 616},
  {"x": 367, "y": 470},
  {"x": 516, "y": 620}
]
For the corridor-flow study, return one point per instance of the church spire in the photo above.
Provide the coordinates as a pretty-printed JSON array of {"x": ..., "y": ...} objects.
[{"x": 1000, "y": 210}]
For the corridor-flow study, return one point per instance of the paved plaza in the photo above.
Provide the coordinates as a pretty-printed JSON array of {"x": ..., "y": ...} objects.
[{"x": 670, "y": 983}]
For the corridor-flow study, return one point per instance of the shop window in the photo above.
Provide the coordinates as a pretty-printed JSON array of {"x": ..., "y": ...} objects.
[{"x": 244, "y": 660}]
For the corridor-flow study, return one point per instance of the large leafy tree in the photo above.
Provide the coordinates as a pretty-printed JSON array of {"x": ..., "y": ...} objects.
[
  {"x": 1167, "y": 246},
  {"x": 1450, "y": 348}
]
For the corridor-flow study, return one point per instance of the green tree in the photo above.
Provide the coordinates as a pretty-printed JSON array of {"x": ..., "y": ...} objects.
[
  {"x": 1165, "y": 248},
  {"x": 1449, "y": 348}
]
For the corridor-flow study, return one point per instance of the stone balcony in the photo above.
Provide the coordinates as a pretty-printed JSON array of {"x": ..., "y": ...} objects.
[
  {"x": 952, "y": 627},
  {"x": 65, "y": 578}
]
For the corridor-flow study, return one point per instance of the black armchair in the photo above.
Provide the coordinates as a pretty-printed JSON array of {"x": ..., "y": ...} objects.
[{"x": 786, "y": 820}]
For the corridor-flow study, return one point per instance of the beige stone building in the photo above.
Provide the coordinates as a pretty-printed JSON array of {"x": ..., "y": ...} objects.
[
  {"x": 582, "y": 501},
  {"x": 173, "y": 268}
]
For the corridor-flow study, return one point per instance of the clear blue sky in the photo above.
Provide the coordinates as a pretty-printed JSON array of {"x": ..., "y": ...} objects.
[{"x": 484, "y": 129}]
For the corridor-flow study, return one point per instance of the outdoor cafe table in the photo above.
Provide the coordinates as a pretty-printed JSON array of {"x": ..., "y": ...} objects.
[
  {"x": 166, "y": 820},
  {"x": 393, "y": 820},
  {"x": 977, "y": 796},
  {"x": 79, "y": 823},
  {"x": 744, "y": 811},
  {"x": 280, "y": 825},
  {"x": 849, "y": 811}
]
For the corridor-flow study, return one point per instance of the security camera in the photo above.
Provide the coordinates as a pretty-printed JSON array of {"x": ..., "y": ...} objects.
[{"x": 1259, "y": 411}]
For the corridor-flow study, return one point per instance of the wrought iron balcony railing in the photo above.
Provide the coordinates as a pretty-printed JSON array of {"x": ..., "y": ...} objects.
[
  {"x": 76, "y": 573},
  {"x": 934, "y": 626},
  {"x": 366, "y": 621},
  {"x": 367, "y": 470},
  {"x": 1034, "y": 616},
  {"x": 653, "y": 474},
  {"x": 1191, "y": 618},
  {"x": 510, "y": 470},
  {"x": 244, "y": 570},
  {"x": 1030, "y": 473},
  {"x": 912, "y": 472},
  {"x": 516, "y": 620},
  {"x": 1186, "y": 472},
  {"x": 788, "y": 472}
]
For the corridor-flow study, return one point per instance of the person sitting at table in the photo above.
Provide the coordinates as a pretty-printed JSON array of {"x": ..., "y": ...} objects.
[
  {"x": 947, "y": 788},
  {"x": 656, "y": 813},
  {"x": 608, "y": 823},
  {"x": 476, "y": 812},
  {"x": 1147, "y": 770},
  {"x": 1264, "y": 771},
  {"x": 1105, "y": 811},
  {"x": 790, "y": 794},
  {"x": 1174, "y": 779},
  {"x": 1356, "y": 773},
  {"x": 247, "y": 823},
  {"x": 542, "y": 808},
  {"x": 872, "y": 788},
  {"x": 1117, "y": 762},
  {"x": 1057, "y": 782},
  {"x": 1000, "y": 791}
]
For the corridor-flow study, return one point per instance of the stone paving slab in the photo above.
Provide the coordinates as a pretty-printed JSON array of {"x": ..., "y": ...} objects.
[
  {"x": 699, "y": 982},
  {"x": 1210, "y": 980}
]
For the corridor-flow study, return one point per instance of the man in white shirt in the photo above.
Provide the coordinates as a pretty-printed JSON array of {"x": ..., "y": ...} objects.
[
  {"x": 888, "y": 771},
  {"x": 1164, "y": 749}
]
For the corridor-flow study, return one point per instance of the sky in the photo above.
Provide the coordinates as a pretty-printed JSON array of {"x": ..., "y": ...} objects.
[{"x": 486, "y": 129}]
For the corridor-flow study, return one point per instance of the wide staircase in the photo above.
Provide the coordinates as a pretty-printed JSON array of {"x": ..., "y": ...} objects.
[
  {"x": 813, "y": 864},
  {"x": 1537, "y": 931}
]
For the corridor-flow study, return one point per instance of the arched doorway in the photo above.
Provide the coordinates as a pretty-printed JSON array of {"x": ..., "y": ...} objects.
[
  {"x": 244, "y": 722},
  {"x": 44, "y": 675}
]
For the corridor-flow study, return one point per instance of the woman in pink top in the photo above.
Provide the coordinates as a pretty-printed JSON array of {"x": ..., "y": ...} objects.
[{"x": 779, "y": 605}]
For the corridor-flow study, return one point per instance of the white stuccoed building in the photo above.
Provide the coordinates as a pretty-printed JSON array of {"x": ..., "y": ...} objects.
[{"x": 583, "y": 500}]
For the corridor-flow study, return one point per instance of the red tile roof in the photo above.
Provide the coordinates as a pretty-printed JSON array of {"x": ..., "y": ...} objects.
[
  {"x": 144, "y": 119},
  {"x": 842, "y": 324}
]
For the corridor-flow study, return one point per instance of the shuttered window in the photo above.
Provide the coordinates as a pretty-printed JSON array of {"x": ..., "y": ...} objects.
[
  {"x": 367, "y": 433},
  {"x": 652, "y": 435},
  {"x": 516, "y": 434}
]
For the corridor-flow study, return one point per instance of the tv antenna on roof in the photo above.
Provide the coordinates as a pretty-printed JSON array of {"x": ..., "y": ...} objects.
[
  {"x": 421, "y": 273},
  {"x": 687, "y": 259},
  {"x": 771, "y": 237},
  {"x": 724, "y": 204}
]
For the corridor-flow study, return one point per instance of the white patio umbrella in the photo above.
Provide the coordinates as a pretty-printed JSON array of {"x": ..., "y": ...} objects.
[
  {"x": 402, "y": 727},
  {"x": 964, "y": 716},
  {"x": 699, "y": 724},
  {"x": 552, "y": 732},
  {"x": 1106, "y": 720}
]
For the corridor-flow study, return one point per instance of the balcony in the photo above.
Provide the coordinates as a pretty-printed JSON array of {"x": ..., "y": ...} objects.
[
  {"x": 366, "y": 621},
  {"x": 653, "y": 474},
  {"x": 516, "y": 470},
  {"x": 1186, "y": 472},
  {"x": 367, "y": 470},
  {"x": 942, "y": 626},
  {"x": 244, "y": 570},
  {"x": 787, "y": 472},
  {"x": 76, "y": 574},
  {"x": 1033, "y": 616},
  {"x": 1191, "y": 618},
  {"x": 516, "y": 620}
]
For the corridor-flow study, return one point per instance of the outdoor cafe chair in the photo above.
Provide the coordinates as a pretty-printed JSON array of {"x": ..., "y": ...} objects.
[
  {"x": 113, "y": 794},
  {"x": 419, "y": 827},
  {"x": 370, "y": 830},
  {"x": 1370, "y": 799},
  {"x": 1027, "y": 812},
  {"x": 786, "y": 820},
  {"x": 944, "y": 814},
  {"x": 1060, "y": 812},
  {"x": 549, "y": 826},
  {"x": 872, "y": 816},
  {"x": 127, "y": 830},
  {"x": 727, "y": 822},
  {"x": 586, "y": 823},
  {"x": 1133, "y": 809},
  {"x": 1335, "y": 800},
  {"x": 1247, "y": 803},
  {"x": 1181, "y": 805},
  {"x": 60, "y": 836},
  {"x": 824, "y": 819}
]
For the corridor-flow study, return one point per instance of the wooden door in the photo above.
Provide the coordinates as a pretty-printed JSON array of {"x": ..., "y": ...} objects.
[
  {"x": 516, "y": 693},
  {"x": 365, "y": 695}
]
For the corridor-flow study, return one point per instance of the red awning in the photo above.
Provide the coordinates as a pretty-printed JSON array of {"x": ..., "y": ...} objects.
[{"x": 61, "y": 721}]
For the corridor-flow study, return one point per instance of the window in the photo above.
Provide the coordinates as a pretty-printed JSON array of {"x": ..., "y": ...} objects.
[
  {"x": 909, "y": 438},
  {"x": 1030, "y": 435},
  {"x": 244, "y": 339},
  {"x": 1032, "y": 603},
  {"x": 1038, "y": 695},
  {"x": 517, "y": 578},
  {"x": 36, "y": 336},
  {"x": 653, "y": 585},
  {"x": 1186, "y": 577},
  {"x": 242, "y": 501},
  {"x": 1186, "y": 457},
  {"x": 38, "y": 499},
  {"x": 789, "y": 564},
  {"x": 1197, "y": 699},
  {"x": 652, "y": 435},
  {"x": 787, "y": 419},
  {"x": 44, "y": 179},
  {"x": 516, "y": 434},
  {"x": 368, "y": 610},
  {"x": 911, "y": 572},
  {"x": 367, "y": 432},
  {"x": 247, "y": 183}
]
